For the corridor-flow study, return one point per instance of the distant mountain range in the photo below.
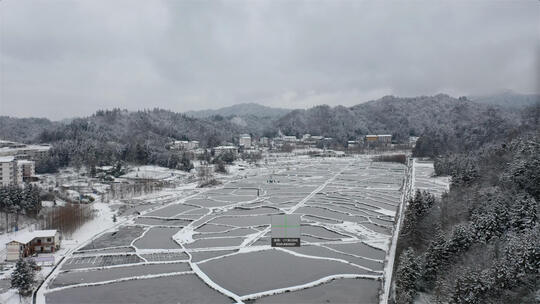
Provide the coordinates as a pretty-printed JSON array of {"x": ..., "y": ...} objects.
[
  {"x": 398, "y": 116},
  {"x": 240, "y": 110}
]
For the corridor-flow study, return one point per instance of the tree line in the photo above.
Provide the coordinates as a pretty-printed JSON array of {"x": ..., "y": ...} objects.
[{"x": 15, "y": 200}]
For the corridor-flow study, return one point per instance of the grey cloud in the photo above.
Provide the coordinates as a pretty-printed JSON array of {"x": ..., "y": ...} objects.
[{"x": 67, "y": 58}]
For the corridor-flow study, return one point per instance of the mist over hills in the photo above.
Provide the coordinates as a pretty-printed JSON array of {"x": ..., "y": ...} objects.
[{"x": 508, "y": 99}]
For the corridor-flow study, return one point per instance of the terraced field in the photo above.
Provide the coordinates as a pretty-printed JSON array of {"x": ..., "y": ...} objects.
[{"x": 214, "y": 247}]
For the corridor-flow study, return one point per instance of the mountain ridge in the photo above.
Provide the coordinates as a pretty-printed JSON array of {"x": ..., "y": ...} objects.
[{"x": 240, "y": 109}]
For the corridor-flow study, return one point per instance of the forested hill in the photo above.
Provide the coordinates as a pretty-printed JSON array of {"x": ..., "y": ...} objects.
[
  {"x": 255, "y": 118},
  {"x": 241, "y": 109},
  {"x": 144, "y": 127},
  {"x": 24, "y": 129},
  {"x": 135, "y": 137},
  {"x": 400, "y": 117},
  {"x": 480, "y": 242}
]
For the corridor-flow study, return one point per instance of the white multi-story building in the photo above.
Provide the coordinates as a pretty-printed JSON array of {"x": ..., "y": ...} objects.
[
  {"x": 226, "y": 149},
  {"x": 9, "y": 171},
  {"x": 289, "y": 139},
  {"x": 27, "y": 168},
  {"x": 13, "y": 171},
  {"x": 245, "y": 141},
  {"x": 264, "y": 141},
  {"x": 23, "y": 151}
]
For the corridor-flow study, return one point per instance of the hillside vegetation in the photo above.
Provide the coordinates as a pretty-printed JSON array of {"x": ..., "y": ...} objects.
[
  {"x": 479, "y": 243},
  {"x": 401, "y": 117},
  {"x": 138, "y": 137},
  {"x": 24, "y": 129}
]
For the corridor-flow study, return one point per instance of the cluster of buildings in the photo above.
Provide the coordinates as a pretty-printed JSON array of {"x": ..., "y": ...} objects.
[
  {"x": 307, "y": 141},
  {"x": 17, "y": 161},
  {"x": 246, "y": 143}
]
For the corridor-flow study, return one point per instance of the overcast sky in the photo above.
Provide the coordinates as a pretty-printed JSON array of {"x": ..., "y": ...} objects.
[{"x": 69, "y": 58}]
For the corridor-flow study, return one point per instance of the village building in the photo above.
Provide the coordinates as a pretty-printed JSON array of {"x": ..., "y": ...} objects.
[
  {"x": 383, "y": 139},
  {"x": 9, "y": 171},
  {"x": 219, "y": 150},
  {"x": 289, "y": 139},
  {"x": 12, "y": 170},
  {"x": 23, "y": 151},
  {"x": 184, "y": 145},
  {"x": 264, "y": 141},
  {"x": 352, "y": 144},
  {"x": 413, "y": 140},
  {"x": 245, "y": 141},
  {"x": 27, "y": 168},
  {"x": 371, "y": 138},
  {"x": 27, "y": 243}
]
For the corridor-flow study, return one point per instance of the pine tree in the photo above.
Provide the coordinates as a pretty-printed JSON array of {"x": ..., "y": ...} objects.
[
  {"x": 23, "y": 277},
  {"x": 524, "y": 213},
  {"x": 460, "y": 239},
  {"x": 407, "y": 275},
  {"x": 470, "y": 287},
  {"x": 435, "y": 257}
]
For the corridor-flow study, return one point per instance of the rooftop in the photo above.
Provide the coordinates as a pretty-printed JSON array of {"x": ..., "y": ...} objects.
[
  {"x": 225, "y": 147},
  {"x": 26, "y": 236},
  {"x": 6, "y": 159},
  {"x": 23, "y": 147},
  {"x": 25, "y": 161}
]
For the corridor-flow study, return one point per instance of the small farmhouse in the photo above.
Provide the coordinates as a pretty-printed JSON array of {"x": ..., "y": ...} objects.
[{"x": 30, "y": 242}]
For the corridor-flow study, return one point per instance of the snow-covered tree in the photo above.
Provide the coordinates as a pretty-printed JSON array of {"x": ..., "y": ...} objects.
[
  {"x": 435, "y": 257},
  {"x": 469, "y": 288},
  {"x": 23, "y": 276},
  {"x": 407, "y": 275},
  {"x": 460, "y": 239}
]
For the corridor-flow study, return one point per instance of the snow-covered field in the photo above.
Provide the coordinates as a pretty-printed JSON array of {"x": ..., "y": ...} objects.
[
  {"x": 424, "y": 178},
  {"x": 213, "y": 245}
]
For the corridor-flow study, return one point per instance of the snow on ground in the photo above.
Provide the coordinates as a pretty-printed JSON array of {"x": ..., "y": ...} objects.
[
  {"x": 103, "y": 219},
  {"x": 347, "y": 206},
  {"x": 153, "y": 172},
  {"x": 425, "y": 179}
]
